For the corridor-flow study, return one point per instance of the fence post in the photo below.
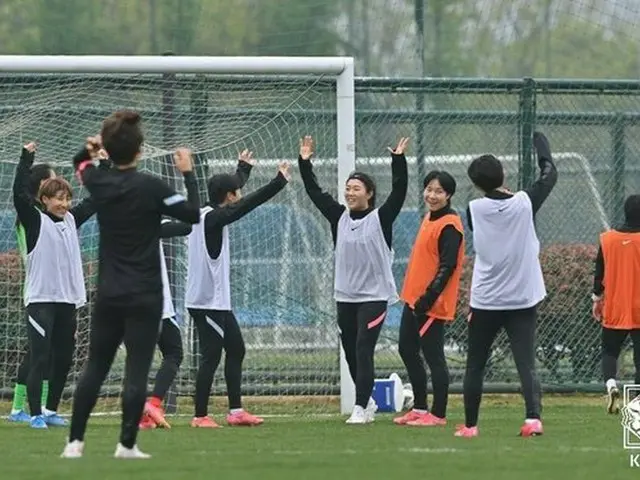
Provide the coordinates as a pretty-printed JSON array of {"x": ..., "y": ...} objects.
[
  {"x": 619, "y": 160},
  {"x": 526, "y": 126}
]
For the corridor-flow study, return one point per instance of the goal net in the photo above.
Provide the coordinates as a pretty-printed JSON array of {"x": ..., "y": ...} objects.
[{"x": 282, "y": 268}]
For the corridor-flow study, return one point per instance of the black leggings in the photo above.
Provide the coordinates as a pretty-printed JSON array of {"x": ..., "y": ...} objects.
[
  {"x": 483, "y": 330},
  {"x": 217, "y": 330},
  {"x": 111, "y": 324},
  {"x": 51, "y": 329},
  {"x": 170, "y": 345},
  {"x": 612, "y": 341},
  {"x": 426, "y": 336},
  {"x": 360, "y": 325}
]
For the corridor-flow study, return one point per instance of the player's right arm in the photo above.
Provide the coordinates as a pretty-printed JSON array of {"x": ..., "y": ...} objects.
[
  {"x": 598, "y": 284},
  {"x": 328, "y": 206},
  {"x": 540, "y": 190},
  {"x": 173, "y": 204},
  {"x": 245, "y": 164},
  {"x": 226, "y": 214},
  {"x": 28, "y": 215},
  {"x": 172, "y": 228}
]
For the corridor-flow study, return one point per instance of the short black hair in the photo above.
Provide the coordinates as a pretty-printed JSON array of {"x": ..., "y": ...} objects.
[
  {"x": 219, "y": 185},
  {"x": 369, "y": 185},
  {"x": 38, "y": 173},
  {"x": 632, "y": 210},
  {"x": 122, "y": 136},
  {"x": 486, "y": 173},
  {"x": 445, "y": 179}
]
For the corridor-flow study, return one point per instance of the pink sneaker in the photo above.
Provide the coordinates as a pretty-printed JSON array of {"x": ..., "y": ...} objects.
[
  {"x": 146, "y": 423},
  {"x": 243, "y": 418},
  {"x": 204, "y": 422},
  {"x": 464, "y": 431},
  {"x": 410, "y": 416},
  {"x": 156, "y": 414},
  {"x": 428, "y": 420},
  {"x": 531, "y": 429}
]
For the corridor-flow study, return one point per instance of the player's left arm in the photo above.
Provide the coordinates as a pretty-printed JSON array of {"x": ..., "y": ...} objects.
[
  {"x": 449, "y": 244},
  {"x": 174, "y": 228},
  {"x": 399, "y": 185},
  {"x": 540, "y": 190}
]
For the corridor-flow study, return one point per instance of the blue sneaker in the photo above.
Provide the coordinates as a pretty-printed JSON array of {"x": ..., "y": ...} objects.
[
  {"x": 19, "y": 417},
  {"x": 38, "y": 422},
  {"x": 55, "y": 420}
]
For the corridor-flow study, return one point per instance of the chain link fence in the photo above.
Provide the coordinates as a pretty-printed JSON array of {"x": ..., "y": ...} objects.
[{"x": 282, "y": 270}]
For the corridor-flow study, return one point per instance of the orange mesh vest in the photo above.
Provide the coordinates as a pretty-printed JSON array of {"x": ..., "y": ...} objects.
[
  {"x": 423, "y": 266},
  {"x": 621, "y": 253}
]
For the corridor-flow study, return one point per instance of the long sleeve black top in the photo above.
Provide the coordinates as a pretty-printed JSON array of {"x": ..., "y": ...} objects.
[{"x": 129, "y": 206}]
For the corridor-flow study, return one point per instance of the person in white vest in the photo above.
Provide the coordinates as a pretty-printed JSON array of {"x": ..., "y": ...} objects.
[
  {"x": 363, "y": 280},
  {"x": 54, "y": 282},
  {"x": 208, "y": 296},
  {"x": 507, "y": 282},
  {"x": 169, "y": 340}
]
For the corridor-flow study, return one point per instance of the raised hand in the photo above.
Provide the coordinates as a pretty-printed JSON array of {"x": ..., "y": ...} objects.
[
  {"x": 306, "y": 147},
  {"x": 30, "y": 147},
  {"x": 182, "y": 160},
  {"x": 247, "y": 157},
  {"x": 402, "y": 145},
  {"x": 94, "y": 145},
  {"x": 283, "y": 168}
]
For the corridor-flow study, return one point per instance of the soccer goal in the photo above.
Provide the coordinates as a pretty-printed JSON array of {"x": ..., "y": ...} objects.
[{"x": 282, "y": 268}]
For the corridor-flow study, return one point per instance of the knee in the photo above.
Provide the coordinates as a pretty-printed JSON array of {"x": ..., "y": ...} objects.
[
  {"x": 406, "y": 350},
  {"x": 175, "y": 357},
  {"x": 238, "y": 352}
]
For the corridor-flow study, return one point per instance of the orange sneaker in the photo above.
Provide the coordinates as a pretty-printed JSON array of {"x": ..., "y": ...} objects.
[
  {"x": 204, "y": 422},
  {"x": 156, "y": 414},
  {"x": 243, "y": 418},
  {"x": 428, "y": 420},
  {"x": 531, "y": 429},
  {"x": 146, "y": 423},
  {"x": 410, "y": 416}
]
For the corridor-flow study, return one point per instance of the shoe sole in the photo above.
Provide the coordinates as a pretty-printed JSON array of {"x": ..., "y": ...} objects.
[{"x": 612, "y": 404}]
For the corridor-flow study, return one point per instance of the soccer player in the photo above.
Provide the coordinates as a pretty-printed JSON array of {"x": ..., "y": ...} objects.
[
  {"x": 54, "y": 282},
  {"x": 208, "y": 296},
  {"x": 507, "y": 282},
  {"x": 129, "y": 298},
  {"x": 430, "y": 295},
  {"x": 615, "y": 295},
  {"x": 170, "y": 339},
  {"x": 364, "y": 283},
  {"x": 37, "y": 175}
]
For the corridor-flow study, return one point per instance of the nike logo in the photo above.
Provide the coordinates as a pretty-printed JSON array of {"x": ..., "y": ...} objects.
[
  {"x": 355, "y": 228},
  {"x": 626, "y": 242},
  {"x": 502, "y": 209}
]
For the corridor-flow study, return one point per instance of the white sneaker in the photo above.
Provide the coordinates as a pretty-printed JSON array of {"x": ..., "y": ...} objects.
[
  {"x": 613, "y": 396},
  {"x": 358, "y": 416},
  {"x": 370, "y": 411},
  {"x": 73, "y": 449},
  {"x": 124, "y": 452}
]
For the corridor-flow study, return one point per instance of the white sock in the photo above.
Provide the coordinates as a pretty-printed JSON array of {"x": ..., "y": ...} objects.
[
  {"x": 235, "y": 411},
  {"x": 531, "y": 420},
  {"x": 419, "y": 410},
  {"x": 611, "y": 383},
  {"x": 48, "y": 412},
  {"x": 15, "y": 411}
]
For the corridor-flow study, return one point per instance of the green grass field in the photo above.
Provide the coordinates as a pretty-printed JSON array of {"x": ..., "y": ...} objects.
[{"x": 581, "y": 442}]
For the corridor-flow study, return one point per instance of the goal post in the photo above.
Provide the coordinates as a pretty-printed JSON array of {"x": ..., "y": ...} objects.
[{"x": 86, "y": 69}]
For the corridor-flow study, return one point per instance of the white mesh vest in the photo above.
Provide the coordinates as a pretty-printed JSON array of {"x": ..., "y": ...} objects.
[
  {"x": 363, "y": 261},
  {"x": 506, "y": 272},
  {"x": 54, "y": 266},
  {"x": 168, "y": 310},
  {"x": 208, "y": 279}
]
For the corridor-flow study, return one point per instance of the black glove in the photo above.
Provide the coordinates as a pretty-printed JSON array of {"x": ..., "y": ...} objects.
[
  {"x": 421, "y": 307},
  {"x": 28, "y": 157},
  {"x": 541, "y": 144}
]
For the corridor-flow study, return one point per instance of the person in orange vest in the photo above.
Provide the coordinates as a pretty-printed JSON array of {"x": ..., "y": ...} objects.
[
  {"x": 430, "y": 294},
  {"x": 616, "y": 303}
]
